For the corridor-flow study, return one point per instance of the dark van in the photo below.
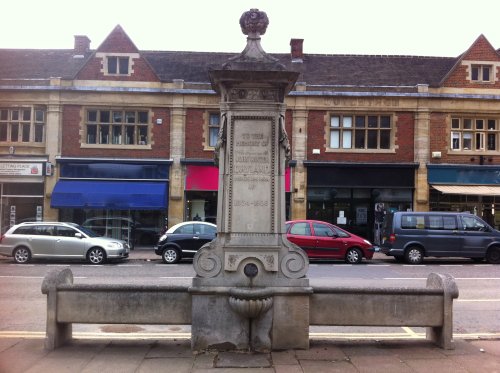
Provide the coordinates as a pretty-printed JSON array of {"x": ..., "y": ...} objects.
[{"x": 411, "y": 236}]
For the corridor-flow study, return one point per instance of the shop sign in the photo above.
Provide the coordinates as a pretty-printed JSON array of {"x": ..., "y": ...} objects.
[{"x": 21, "y": 169}]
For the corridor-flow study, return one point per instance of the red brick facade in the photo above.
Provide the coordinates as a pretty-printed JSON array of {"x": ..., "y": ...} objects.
[
  {"x": 72, "y": 137},
  {"x": 404, "y": 143},
  {"x": 481, "y": 50}
]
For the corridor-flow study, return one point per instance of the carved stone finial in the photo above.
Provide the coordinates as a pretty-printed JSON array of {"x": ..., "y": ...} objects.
[{"x": 254, "y": 21}]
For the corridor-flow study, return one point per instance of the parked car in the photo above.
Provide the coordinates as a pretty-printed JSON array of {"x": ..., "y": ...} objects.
[
  {"x": 322, "y": 240},
  {"x": 56, "y": 240},
  {"x": 411, "y": 236},
  {"x": 183, "y": 240}
]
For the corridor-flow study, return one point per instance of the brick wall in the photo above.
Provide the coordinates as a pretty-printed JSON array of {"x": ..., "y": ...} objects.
[
  {"x": 194, "y": 135},
  {"x": 481, "y": 50},
  {"x": 71, "y": 137},
  {"x": 141, "y": 72},
  {"x": 440, "y": 142},
  {"x": 404, "y": 132}
]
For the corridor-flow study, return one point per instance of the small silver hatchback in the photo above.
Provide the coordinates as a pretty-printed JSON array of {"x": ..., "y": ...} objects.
[{"x": 57, "y": 240}]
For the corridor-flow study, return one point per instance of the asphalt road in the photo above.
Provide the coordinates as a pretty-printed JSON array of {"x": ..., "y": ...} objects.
[{"x": 476, "y": 311}]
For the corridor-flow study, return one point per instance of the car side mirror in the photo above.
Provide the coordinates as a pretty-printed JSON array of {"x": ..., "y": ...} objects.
[{"x": 78, "y": 235}]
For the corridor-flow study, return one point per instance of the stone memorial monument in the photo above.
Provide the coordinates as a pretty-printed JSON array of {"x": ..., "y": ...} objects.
[{"x": 251, "y": 290}]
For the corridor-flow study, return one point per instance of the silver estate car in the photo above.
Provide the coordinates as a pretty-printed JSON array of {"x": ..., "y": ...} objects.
[{"x": 56, "y": 240}]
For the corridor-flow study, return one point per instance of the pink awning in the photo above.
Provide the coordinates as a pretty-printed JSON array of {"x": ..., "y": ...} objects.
[{"x": 207, "y": 178}]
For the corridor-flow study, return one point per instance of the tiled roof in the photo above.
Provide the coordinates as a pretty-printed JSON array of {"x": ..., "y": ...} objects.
[
  {"x": 340, "y": 70},
  {"x": 39, "y": 63}
]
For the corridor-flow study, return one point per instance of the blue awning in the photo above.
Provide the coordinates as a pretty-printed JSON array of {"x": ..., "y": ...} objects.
[{"x": 112, "y": 195}]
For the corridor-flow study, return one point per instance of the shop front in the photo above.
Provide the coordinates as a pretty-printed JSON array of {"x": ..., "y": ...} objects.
[
  {"x": 118, "y": 198},
  {"x": 468, "y": 188},
  {"x": 357, "y": 196},
  {"x": 22, "y": 185},
  {"x": 202, "y": 185}
]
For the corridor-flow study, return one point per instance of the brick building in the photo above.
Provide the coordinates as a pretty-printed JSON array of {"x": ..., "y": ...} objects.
[{"x": 118, "y": 132}]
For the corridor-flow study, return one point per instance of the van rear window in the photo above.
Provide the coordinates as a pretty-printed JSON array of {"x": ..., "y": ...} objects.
[{"x": 413, "y": 221}]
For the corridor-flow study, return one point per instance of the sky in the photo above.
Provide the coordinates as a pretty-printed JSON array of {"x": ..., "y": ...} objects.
[{"x": 383, "y": 27}]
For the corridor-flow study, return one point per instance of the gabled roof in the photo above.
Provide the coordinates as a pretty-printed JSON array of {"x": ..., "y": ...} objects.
[
  {"x": 118, "y": 42},
  {"x": 480, "y": 50},
  {"x": 192, "y": 67},
  {"x": 316, "y": 69}
]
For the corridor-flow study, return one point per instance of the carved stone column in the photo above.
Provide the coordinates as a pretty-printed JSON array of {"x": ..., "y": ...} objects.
[{"x": 251, "y": 290}]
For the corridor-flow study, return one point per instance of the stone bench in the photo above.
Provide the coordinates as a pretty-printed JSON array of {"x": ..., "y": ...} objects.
[
  {"x": 69, "y": 303},
  {"x": 430, "y": 307}
]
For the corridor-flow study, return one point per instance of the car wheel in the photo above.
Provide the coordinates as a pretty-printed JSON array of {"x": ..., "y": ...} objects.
[
  {"x": 96, "y": 255},
  {"x": 353, "y": 256},
  {"x": 493, "y": 255},
  {"x": 414, "y": 255},
  {"x": 170, "y": 255},
  {"x": 22, "y": 255}
]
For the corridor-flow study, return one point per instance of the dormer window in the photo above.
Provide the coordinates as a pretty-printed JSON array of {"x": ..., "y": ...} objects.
[
  {"x": 118, "y": 65},
  {"x": 481, "y": 73}
]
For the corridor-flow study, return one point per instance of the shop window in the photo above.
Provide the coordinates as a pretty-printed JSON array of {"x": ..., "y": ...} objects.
[
  {"x": 360, "y": 132},
  {"x": 474, "y": 134},
  {"x": 117, "y": 127},
  {"x": 22, "y": 125}
]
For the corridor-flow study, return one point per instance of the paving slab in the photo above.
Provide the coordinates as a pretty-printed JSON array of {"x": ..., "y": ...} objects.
[
  {"x": 321, "y": 350},
  {"x": 287, "y": 357},
  {"x": 70, "y": 358},
  {"x": 242, "y": 360},
  {"x": 380, "y": 364},
  {"x": 478, "y": 363},
  {"x": 435, "y": 365},
  {"x": 324, "y": 366},
  {"x": 22, "y": 355},
  {"x": 119, "y": 357},
  {"x": 171, "y": 348},
  {"x": 490, "y": 347},
  {"x": 171, "y": 364}
]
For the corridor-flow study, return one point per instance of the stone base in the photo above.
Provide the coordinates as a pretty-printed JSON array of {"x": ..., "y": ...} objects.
[{"x": 216, "y": 325}]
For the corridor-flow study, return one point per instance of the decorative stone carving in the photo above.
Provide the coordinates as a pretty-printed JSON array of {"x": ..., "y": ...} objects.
[
  {"x": 206, "y": 262},
  {"x": 254, "y": 21}
]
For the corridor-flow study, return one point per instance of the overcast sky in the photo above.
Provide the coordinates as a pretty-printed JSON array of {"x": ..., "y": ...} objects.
[{"x": 398, "y": 27}]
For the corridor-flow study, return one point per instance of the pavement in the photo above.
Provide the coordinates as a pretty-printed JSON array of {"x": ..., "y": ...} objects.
[{"x": 140, "y": 355}]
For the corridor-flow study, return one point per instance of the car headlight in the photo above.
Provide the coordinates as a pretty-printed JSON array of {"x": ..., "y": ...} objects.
[
  {"x": 163, "y": 237},
  {"x": 115, "y": 245},
  {"x": 368, "y": 242}
]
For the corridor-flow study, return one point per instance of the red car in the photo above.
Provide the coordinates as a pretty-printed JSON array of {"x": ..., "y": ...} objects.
[{"x": 322, "y": 240}]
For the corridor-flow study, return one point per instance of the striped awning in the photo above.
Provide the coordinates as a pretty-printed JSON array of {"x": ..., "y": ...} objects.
[{"x": 478, "y": 190}]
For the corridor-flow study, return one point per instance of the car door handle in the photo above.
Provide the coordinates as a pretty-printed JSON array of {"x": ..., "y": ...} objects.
[{"x": 196, "y": 237}]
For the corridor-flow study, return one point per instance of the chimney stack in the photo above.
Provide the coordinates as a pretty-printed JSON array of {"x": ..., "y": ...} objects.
[
  {"x": 82, "y": 44},
  {"x": 296, "y": 50}
]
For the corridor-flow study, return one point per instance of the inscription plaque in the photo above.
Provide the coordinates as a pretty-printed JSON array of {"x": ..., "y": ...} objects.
[{"x": 252, "y": 174}]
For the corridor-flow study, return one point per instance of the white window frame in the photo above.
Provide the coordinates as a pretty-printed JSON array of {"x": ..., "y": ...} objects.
[
  {"x": 342, "y": 131},
  {"x": 480, "y": 66},
  {"x": 105, "y": 60},
  {"x": 23, "y": 117},
  {"x": 470, "y": 134},
  {"x": 104, "y": 132},
  {"x": 213, "y": 127}
]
